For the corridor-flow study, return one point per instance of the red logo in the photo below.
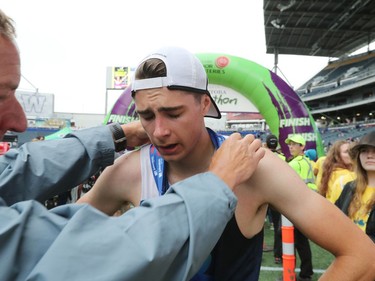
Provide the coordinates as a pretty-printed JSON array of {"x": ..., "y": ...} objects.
[{"x": 222, "y": 62}]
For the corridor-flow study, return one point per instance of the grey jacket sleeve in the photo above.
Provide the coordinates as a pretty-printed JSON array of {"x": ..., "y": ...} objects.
[
  {"x": 167, "y": 238},
  {"x": 39, "y": 170}
]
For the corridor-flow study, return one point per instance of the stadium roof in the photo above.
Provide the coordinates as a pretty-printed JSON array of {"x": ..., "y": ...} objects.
[{"x": 328, "y": 28}]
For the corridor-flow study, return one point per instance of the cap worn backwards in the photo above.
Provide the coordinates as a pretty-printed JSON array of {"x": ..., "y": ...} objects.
[{"x": 184, "y": 72}]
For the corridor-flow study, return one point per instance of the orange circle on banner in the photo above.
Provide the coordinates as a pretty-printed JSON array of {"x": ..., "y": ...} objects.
[{"x": 222, "y": 62}]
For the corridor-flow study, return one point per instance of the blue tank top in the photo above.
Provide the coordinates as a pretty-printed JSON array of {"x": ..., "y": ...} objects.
[{"x": 234, "y": 257}]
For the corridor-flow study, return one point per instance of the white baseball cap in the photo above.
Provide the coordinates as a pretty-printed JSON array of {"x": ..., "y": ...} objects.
[{"x": 184, "y": 72}]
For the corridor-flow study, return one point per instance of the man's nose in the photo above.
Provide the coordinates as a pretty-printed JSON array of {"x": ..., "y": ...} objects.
[
  {"x": 16, "y": 119},
  {"x": 161, "y": 128}
]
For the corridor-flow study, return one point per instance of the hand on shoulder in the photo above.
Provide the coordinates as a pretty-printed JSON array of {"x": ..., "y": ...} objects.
[{"x": 236, "y": 160}]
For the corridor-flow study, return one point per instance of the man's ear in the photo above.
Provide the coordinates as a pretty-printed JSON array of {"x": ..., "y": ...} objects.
[{"x": 206, "y": 102}]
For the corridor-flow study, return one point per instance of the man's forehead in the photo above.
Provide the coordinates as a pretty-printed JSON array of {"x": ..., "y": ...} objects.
[
  {"x": 9, "y": 64},
  {"x": 8, "y": 51},
  {"x": 162, "y": 96},
  {"x": 160, "y": 108}
]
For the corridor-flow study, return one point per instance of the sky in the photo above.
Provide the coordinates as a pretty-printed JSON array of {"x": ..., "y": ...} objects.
[{"x": 66, "y": 46}]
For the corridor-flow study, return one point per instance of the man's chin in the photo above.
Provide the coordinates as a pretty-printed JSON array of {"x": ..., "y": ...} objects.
[
  {"x": 173, "y": 158},
  {"x": 170, "y": 158}
]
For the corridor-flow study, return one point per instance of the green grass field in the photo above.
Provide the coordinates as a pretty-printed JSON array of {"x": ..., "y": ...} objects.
[{"x": 271, "y": 271}]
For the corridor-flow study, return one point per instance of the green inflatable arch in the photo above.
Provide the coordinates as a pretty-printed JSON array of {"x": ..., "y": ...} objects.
[
  {"x": 281, "y": 107},
  {"x": 284, "y": 111}
]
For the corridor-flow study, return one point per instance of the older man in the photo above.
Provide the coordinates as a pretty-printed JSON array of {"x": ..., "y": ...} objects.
[{"x": 165, "y": 239}]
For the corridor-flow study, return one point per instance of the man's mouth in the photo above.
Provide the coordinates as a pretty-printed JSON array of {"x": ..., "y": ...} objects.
[{"x": 166, "y": 149}]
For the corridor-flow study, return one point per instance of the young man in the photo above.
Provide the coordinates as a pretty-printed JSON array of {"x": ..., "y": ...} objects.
[
  {"x": 303, "y": 167},
  {"x": 37, "y": 244},
  {"x": 171, "y": 96}
]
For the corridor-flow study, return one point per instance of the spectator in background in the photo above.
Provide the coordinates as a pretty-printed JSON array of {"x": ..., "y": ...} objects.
[
  {"x": 318, "y": 169},
  {"x": 272, "y": 144},
  {"x": 357, "y": 199},
  {"x": 299, "y": 162},
  {"x": 311, "y": 154},
  {"x": 336, "y": 165}
]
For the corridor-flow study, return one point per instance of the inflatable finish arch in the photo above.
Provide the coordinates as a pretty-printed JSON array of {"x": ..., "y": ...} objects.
[
  {"x": 284, "y": 111},
  {"x": 123, "y": 111}
]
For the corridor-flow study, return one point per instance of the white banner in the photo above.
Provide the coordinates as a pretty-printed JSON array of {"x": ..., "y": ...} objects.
[
  {"x": 36, "y": 104},
  {"x": 229, "y": 100}
]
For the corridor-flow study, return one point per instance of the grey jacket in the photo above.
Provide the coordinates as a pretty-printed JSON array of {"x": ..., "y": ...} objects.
[{"x": 167, "y": 238}]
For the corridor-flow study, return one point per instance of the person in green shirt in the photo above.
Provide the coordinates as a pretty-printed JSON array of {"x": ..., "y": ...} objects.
[
  {"x": 302, "y": 165},
  {"x": 299, "y": 162}
]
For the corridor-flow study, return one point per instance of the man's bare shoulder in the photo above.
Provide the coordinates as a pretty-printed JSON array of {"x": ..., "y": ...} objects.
[
  {"x": 118, "y": 184},
  {"x": 127, "y": 164},
  {"x": 128, "y": 156},
  {"x": 272, "y": 179}
]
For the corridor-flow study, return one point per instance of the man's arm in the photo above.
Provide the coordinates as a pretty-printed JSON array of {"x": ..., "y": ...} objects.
[
  {"x": 167, "y": 238},
  {"x": 47, "y": 168},
  {"x": 317, "y": 218}
]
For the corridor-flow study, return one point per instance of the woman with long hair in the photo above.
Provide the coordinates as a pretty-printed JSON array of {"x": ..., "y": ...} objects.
[
  {"x": 336, "y": 165},
  {"x": 357, "y": 199}
]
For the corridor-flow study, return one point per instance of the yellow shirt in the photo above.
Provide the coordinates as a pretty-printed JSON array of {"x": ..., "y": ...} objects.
[
  {"x": 338, "y": 185},
  {"x": 337, "y": 174},
  {"x": 318, "y": 166},
  {"x": 361, "y": 217}
]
